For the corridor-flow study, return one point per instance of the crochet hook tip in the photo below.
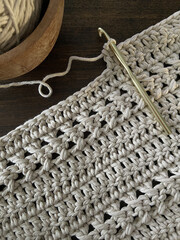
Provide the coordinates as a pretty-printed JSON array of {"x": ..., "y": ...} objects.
[{"x": 101, "y": 32}]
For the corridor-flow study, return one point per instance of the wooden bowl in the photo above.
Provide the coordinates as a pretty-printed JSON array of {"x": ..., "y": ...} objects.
[{"x": 35, "y": 48}]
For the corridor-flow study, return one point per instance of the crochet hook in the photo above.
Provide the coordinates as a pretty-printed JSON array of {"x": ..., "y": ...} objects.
[{"x": 136, "y": 82}]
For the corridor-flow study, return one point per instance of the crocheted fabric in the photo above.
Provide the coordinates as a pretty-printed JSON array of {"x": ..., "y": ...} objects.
[{"x": 97, "y": 165}]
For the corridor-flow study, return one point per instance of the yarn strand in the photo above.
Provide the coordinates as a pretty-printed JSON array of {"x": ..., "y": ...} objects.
[{"x": 50, "y": 76}]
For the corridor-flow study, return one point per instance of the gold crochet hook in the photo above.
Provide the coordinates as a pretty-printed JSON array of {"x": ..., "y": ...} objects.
[{"x": 136, "y": 82}]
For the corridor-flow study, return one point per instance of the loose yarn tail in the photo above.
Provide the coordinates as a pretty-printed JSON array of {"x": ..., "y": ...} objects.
[{"x": 44, "y": 83}]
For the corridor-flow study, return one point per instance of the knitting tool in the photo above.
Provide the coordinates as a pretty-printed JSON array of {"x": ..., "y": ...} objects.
[{"x": 136, "y": 82}]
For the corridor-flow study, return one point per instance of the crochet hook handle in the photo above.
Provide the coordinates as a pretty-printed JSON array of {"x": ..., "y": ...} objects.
[{"x": 136, "y": 82}]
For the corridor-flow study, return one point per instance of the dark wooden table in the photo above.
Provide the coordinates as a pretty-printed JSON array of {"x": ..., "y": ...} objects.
[{"x": 78, "y": 36}]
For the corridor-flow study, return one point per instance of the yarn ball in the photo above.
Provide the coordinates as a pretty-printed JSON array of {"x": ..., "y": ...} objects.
[{"x": 18, "y": 18}]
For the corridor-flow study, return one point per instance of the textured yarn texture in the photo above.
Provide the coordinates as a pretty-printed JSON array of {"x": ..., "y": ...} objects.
[
  {"x": 18, "y": 19},
  {"x": 97, "y": 165}
]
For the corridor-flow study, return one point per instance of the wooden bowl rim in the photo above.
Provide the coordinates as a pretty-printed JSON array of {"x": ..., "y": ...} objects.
[{"x": 35, "y": 35}]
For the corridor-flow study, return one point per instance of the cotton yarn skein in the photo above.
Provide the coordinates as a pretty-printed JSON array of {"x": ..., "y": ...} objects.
[{"x": 18, "y": 18}]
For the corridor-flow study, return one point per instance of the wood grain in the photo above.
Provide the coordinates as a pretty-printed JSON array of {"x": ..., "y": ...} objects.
[
  {"x": 35, "y": 48},
  {"x": 78, "y": 36}
]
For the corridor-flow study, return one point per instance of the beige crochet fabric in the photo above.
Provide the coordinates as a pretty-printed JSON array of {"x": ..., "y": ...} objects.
[{"x": 97, "y": 165}]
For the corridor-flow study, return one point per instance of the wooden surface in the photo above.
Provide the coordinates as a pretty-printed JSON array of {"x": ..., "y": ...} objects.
[
  {"x": 35, "y": 48},
  {"x": 78, "y": 36}
]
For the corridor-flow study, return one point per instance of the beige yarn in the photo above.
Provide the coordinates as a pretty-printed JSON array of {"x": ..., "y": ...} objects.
[
  {"x": 97, "y": 165},
  {"x": 18, "y": 18}
]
